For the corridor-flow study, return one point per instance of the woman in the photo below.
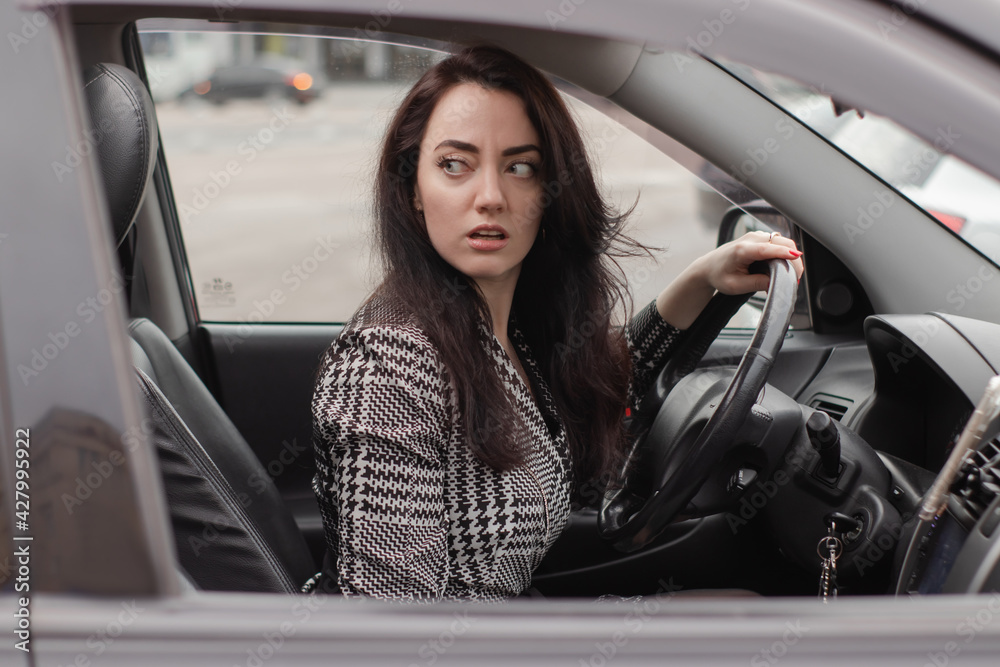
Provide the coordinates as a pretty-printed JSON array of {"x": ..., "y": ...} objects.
[{"x": 483, "y": 383}]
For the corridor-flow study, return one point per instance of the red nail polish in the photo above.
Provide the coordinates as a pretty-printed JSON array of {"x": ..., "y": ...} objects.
[{"x": 796, "y": 253}]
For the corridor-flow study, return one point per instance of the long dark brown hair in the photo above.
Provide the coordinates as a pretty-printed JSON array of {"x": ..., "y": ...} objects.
[{"x": 569, "y": 283}]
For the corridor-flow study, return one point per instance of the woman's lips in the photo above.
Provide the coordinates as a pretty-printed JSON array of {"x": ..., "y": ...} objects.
[{"x": 488, "y": 237}]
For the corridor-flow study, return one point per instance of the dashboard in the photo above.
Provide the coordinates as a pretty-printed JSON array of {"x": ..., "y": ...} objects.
[{"x": 930, "y": 372}]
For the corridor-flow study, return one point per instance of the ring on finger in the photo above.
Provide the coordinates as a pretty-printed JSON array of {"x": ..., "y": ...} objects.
[{"x": 770, "y": 239}]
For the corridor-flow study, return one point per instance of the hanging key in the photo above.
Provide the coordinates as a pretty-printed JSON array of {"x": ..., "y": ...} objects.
[{"x": 830, "y": 548}]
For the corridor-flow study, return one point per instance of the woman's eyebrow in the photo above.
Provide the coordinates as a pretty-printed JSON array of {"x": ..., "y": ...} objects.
[
  {"x": 514, "y": 150},
  {"x": 460, "y": 145},
  {"x": 471, "y": 148}
]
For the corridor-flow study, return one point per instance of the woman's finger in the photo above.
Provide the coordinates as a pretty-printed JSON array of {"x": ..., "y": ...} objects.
[
  {"x": 760, "y": 250},
  {"x": 776, "y": 251}
]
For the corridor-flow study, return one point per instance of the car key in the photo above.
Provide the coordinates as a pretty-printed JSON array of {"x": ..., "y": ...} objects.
[{"x": 829, "y": 549}]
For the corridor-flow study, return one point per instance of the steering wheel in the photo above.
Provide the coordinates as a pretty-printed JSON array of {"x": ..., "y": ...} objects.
[{"x": 679, "y": 454}]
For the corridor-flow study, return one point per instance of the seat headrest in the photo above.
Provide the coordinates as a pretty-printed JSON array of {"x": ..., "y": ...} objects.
[{"x": 124, "y": 130}]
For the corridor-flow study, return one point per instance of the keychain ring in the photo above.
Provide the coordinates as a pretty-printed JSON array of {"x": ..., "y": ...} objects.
[{"x": 837, "y": 547}]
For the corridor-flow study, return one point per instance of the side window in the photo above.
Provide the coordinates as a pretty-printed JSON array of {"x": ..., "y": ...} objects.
[
  {"x": 271, "y": 142},
  {"x": 675, "y": 214},
  {"x": 679, "y": 197}
]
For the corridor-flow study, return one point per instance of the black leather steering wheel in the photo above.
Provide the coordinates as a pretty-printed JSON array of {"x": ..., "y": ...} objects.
[{"x": 674, "y": 471}]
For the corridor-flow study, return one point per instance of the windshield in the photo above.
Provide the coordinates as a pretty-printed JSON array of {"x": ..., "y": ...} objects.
[{"x": 955, "y": 194}]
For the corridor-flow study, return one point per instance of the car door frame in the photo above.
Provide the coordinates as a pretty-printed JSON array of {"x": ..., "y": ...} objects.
[{"x": 159, "y": 625}]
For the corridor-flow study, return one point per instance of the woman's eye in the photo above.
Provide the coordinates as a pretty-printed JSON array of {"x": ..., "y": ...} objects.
[
  {"x": 523, "y": 169},
  {"x": 451, "y": 166}
]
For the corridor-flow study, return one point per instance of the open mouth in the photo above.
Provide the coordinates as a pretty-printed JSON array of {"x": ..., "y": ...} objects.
[
  {"x": 488, "y": 232},
  {"x": 488, "y": 237}
]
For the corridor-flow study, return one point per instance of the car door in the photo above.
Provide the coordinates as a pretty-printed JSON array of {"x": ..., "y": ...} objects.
[
  {"x": 123, "y": 607},
  {"x": 71, "y": 485}
]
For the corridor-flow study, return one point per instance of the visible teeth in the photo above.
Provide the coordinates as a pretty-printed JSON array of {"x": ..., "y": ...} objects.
[{"x": 498, "y": 235}]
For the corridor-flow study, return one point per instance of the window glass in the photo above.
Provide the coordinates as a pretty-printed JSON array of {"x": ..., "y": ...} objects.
[
  {"x": 956, "y": 195},
  {"x": 271, "y": 141},
  {"x": 675, "y": 214}
]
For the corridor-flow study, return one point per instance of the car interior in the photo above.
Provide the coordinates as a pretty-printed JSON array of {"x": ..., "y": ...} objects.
[{"x": 875, "y": 372}]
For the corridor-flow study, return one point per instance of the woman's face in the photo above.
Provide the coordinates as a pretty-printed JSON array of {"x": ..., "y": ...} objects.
[{"x": 478, "y": 183}]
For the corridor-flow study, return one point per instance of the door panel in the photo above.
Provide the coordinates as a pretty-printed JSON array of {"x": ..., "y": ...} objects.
[{"x": 265, "y": 375}]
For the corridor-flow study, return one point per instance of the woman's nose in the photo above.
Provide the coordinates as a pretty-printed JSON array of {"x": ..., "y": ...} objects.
[{"x": 490, "y": 196}]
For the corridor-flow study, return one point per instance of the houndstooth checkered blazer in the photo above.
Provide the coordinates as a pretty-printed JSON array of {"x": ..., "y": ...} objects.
[{"x": 409, "y": 512}]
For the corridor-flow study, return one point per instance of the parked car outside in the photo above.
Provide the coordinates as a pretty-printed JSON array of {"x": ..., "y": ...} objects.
[{"x": 265, "y": 79}]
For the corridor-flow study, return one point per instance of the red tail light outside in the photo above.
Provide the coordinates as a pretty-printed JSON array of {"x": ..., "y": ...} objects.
[
  {"x": 302, "y": 81},
  {"x": 952, "y": 222}
]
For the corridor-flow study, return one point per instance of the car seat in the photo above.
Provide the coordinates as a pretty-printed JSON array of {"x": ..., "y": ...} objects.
[{"x": 230, "y": 535}]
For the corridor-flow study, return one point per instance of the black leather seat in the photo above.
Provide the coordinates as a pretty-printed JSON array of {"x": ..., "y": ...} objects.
[{"x": 232, "y": 529}]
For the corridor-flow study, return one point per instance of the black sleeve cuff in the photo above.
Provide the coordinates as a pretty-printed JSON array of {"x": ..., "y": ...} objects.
[{"x": 650, "y": 341}]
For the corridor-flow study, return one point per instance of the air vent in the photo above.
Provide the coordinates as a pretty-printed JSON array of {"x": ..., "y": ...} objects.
[
  {"x": 988, "y": 454},
  {"x": 835, "y": 406},
  {"x": 978, "y": 482}
]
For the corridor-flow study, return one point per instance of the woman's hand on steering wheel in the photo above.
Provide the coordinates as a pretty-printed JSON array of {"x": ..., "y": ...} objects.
[{"x": 725, "y": 269}]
